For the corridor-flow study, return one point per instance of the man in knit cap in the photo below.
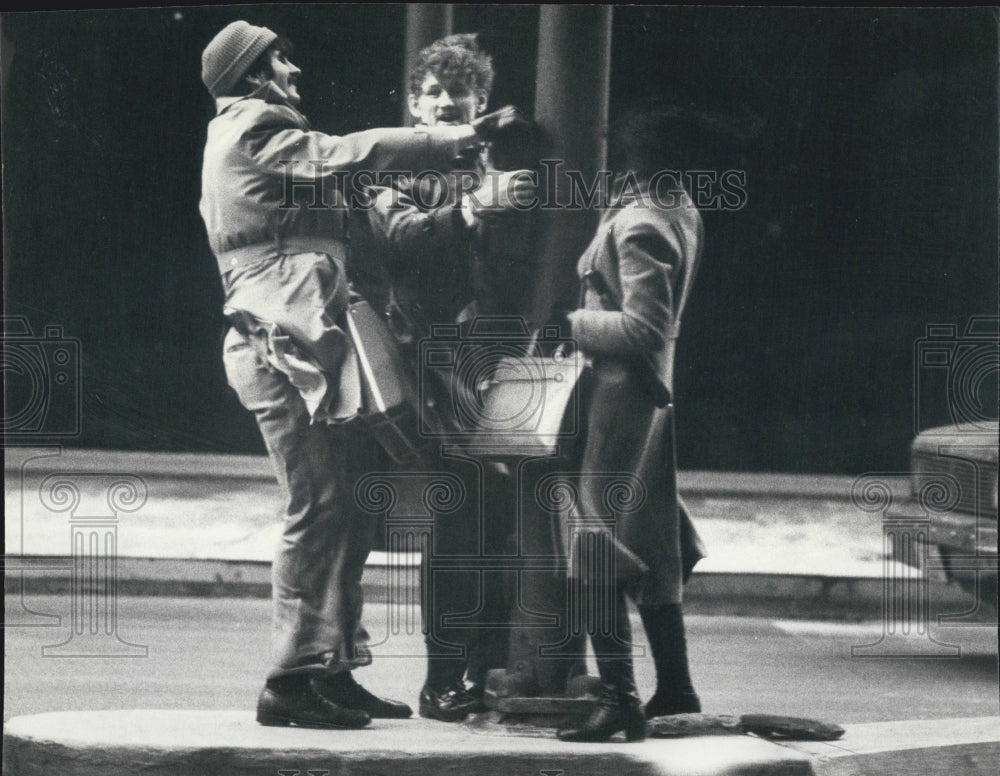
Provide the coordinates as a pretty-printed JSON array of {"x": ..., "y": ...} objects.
[{"x": 282, "y": 268}]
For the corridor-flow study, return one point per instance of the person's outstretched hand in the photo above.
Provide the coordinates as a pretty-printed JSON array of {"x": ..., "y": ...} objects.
[{"x": 493, "y": 125}]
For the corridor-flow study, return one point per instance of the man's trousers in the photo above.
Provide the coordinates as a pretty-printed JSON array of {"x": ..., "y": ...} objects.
[{"x": 316, "y": 576}]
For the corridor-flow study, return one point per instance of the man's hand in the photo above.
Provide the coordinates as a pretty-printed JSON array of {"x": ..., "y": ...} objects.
[
  {"x": 497, "y": 123},
  {"x": 500, "y": 192}
]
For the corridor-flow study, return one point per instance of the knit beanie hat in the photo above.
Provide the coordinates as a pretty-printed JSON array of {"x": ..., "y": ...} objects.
[{"x": 231, "y": 52}]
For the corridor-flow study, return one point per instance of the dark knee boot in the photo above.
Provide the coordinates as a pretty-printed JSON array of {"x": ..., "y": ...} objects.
[
  {"x": 674, "y": 694},
  {"x": 618, "y": 708}
]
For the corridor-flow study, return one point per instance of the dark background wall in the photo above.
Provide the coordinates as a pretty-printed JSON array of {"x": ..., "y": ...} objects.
[{"x": 868, "y": 138}]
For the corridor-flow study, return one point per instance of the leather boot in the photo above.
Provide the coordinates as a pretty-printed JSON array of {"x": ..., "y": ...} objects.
[
  {"x": 674, "y": 694},
  {"x": 618, "y": 707},
  {"x": 615, "y": 712}
]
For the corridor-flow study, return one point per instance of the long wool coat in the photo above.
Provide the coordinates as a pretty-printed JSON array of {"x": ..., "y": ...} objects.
[{"x": 648, "y": 256}]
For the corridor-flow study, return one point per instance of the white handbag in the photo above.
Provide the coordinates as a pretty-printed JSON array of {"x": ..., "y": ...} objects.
[{"x": 531, "y": 404}]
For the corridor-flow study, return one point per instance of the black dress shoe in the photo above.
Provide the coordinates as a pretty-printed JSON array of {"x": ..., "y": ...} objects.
[
  {"x": 614, "y": 713},
  {"x": 342, "y": 690},
  {"x": 679, "y": 703},
  {"x": 305, "y": 708},
  {"x": 451, "y": 704}
]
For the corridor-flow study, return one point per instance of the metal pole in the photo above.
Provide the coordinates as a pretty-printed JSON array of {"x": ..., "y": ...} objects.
[
  {"x": 425, "y": 23},
  {"x": 571, "y": 107}
]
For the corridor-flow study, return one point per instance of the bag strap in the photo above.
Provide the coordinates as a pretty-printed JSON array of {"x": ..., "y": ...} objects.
[
  {"x": 532, "y": 349},
  {"x": 363, "y": 359}
]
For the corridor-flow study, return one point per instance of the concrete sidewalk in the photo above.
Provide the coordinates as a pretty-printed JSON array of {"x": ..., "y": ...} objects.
[
  {"x": 227, "y": 743},
  {"x": 782, "y": 545}
]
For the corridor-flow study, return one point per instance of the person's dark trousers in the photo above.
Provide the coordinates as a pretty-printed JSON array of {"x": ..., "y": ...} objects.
[
  {"x": 489, "y": 636},
  {"x": 664, "y": 626},
  {"x": 448, "y": 576},
  {"x": 449, "y": 599}
]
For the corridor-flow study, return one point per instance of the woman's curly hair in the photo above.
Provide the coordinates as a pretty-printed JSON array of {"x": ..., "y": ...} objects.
[{"x": 454, "y": 59}]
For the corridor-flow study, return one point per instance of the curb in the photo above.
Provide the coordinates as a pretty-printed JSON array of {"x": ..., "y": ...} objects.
[
  {"x": 710, "y": 593},
  {"x": 230, "y": 743},
  {"x": 200, "y": 466},
  {"x": 970, "y": 747}
]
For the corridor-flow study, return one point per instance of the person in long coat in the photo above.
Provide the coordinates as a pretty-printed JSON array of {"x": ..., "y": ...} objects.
[{"x": 627, "y": 535}]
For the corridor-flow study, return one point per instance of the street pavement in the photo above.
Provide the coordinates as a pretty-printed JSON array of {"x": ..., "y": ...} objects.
[
  {"x": 203, "y": 659},
  {"x": 211, "y": 653}
]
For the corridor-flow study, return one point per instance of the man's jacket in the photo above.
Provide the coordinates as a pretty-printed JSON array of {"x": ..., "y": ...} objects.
[
  {"x": 273, "y": 201},
  {"x": 260, "y": 149}
]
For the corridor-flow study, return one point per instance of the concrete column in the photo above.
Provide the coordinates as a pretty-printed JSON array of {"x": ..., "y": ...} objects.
[{"x": 571, "y": 107}]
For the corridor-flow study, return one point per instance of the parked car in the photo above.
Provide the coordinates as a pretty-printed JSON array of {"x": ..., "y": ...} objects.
[{"x": 962, "y": 460}]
